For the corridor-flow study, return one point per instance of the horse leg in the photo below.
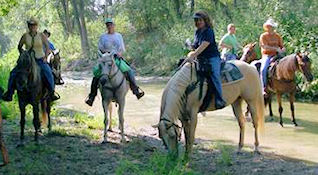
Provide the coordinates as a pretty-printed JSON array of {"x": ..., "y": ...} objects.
[
  {"x": 270, "y": 107},
  {"x": 44, "y": 113},
  {"x": 110, "y": 109},
  {"x": 237, "y": 109},
  {"x": 105, "y": 107},
  {"x": 254, "y": 113},
  {"x": 189, "y": 131},
  {"x": 22, "y": 123},
  {"x": 121, "y": 118},
  {"x": 36, "y": 121},
  {"x": 48, "y": 111},
  {"x": 292, "y": 107},
  {"x": 280, "y": 109}
]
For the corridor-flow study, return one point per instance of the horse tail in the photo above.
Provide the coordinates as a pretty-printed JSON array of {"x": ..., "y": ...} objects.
[
  {"x": 44, "y": 112},
  {"x": 260, "y": 112}
]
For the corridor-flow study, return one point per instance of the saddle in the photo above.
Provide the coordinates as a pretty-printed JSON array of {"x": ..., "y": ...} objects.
[{"x": 229, "y": 74}]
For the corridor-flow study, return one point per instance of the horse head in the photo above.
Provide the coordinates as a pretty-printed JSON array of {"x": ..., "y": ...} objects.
[
  {"x": 107, "y": 66},
  {"x": 55, "y": 64},
  {"x": 304, "y": 65},
  {"x": 170, "y": 135},
  {"x": 249, "y": 53},
  {"x": 26, "y": 70}
]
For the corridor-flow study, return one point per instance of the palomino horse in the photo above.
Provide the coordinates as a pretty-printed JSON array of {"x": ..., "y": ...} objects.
[
  {"x": 113, "y": 87},
  {"x": 177, "y": 104},
  {"x": 283, "y": 81},
  {"x": 3, "y": 149},
  {"x": 31, "y": 90}
]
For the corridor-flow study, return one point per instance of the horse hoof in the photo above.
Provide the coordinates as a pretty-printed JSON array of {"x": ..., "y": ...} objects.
[
  {"x": 123, "y": 141},
  {"x": 239, "y": 152},
  {"x": 296, "y": 124},
  {"x": 281, "y": 124},
  {"x": 257, "y": 152},
  {"x": 104, "y": 142},
  {"x": 110, "y": 130}
]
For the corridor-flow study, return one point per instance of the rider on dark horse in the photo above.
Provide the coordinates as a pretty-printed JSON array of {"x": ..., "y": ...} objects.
[
  {"x": 34, "y": 41},
  {"x": 271, "y": 45},
  {"x": 115, "y": 41},
  {"x": 48, "y": 34}
]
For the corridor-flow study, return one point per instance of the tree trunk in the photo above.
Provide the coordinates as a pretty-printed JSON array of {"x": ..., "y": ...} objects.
[
  {"x": 178, "y": 8},
  {"x": 192, "y": 6},
  {"x": 80, "y": 20},
  {"x": 68, "y": 24}
]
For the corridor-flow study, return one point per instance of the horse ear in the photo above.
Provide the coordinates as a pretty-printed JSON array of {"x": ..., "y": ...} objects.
[
  {"x": 299, "y": 54},
  {"x": 254, "y": 44},
  {"x": 155, "y": 126}
]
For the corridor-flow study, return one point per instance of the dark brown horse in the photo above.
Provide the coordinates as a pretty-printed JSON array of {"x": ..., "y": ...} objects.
[
  {"x": 31, "y": 90},
  {"x": 3, "y": 149},
  {"x": 54, "y": 61}
]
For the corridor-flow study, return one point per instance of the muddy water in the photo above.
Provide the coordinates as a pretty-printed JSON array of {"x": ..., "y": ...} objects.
[{"x": 300, "y": 142}]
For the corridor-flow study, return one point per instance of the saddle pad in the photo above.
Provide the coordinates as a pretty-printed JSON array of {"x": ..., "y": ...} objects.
[{"x": 230, "y": 73}]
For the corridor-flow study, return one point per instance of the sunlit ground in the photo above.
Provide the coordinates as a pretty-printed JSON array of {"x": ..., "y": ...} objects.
[{"x": 296, "y": 142}]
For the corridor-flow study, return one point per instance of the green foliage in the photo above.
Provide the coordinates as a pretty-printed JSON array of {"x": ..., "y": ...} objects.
[
  {"x": 157, "y": 165},
  {"x": 6, "y": 6}
]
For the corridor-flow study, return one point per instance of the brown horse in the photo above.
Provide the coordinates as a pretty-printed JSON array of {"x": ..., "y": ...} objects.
[
  {"x": 249, "y": 53},
  {"x": 54, "y": 61},
  {"x": 31, "y": 90},
  {"x": 283, "y": 77},
  {"x": 3, "y": 149}
]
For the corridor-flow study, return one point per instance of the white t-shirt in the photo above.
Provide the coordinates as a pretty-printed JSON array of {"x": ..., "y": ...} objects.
[{"x": 111, "y": 42}]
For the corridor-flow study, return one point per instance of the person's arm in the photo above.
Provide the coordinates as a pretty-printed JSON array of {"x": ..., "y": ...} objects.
[
  {"x": 265, "y": 46},
  {"x": 198, "y": 51},
  {"x": 21, "y": 43},
  {"x": 222, "y": 44},
  {"x": 46, "y": 45},
  {"x": 122, "y": 48}
]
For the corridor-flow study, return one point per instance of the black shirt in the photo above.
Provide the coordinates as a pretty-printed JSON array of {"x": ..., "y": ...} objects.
[{"x": 206, "y": 34}]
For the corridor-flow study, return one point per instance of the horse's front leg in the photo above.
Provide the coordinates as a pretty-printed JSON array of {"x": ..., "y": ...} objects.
[
  {"x": 237, "y": 109},
  {"x": 121, "y": 118},
  {"x": 36, "y": 121},
  {"x": 280, "y": 108},
  {"x": 270, "y": 107},
  {"x": 105, "y": 104},
  {"x": 110, "y": 109},
  {"x": 22, "y": 122},
  {"x": 189, "y": 131},
  {"x": 292, "y": 107}
]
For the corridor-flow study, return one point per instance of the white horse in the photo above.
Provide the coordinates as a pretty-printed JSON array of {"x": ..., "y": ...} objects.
[{"x": 113, "y": 87}]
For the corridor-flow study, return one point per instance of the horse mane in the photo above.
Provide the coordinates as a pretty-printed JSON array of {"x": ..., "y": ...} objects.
[
  {"x": 286, "y": 68},
  {"x": 173, "y": 99},
  {"x": 27, "y": 60}
]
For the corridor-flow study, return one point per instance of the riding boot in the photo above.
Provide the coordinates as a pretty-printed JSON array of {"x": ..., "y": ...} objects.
[
  {"x": 94, "y": 87},
  {"x": 54, "y": 96},
  {"x": 133, "y": 85}
]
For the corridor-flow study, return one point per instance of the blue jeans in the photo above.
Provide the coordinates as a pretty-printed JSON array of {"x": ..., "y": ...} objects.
[
  {"x": 230, "y": 56},
  {"x": 215, "y": 63},
  {"x": 46, "y": 71},
  {"x": 265, "y": 61}
]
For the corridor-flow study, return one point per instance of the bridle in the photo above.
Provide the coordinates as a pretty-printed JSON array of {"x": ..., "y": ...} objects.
[
  {"x": 175, "y": 126},
  {"x": 110, "y": 76}
]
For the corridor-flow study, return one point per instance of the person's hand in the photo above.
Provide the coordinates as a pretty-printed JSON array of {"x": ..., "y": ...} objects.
[{"x": 191, "y": 56}]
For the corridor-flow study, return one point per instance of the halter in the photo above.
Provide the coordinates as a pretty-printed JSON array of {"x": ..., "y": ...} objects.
[{"x": 177, "y": 128}]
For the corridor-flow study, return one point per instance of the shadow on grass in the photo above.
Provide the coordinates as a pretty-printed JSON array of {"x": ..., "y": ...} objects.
[{"x": 66, "y": 150}]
